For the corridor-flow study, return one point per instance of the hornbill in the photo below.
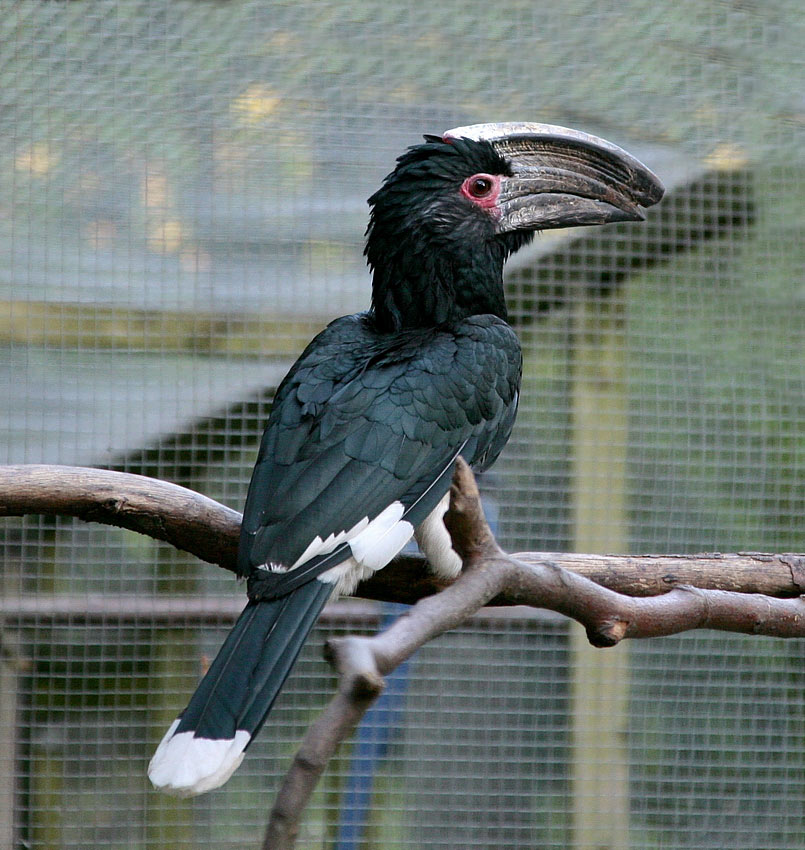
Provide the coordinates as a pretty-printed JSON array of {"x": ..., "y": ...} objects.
[{"x": 359, "y": 449}]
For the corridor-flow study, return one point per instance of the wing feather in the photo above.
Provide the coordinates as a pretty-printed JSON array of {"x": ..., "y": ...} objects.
[{"x": 362, "y": 422}]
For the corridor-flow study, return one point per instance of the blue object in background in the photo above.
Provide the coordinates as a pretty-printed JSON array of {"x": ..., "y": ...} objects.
[
  {"x": 374, "y": 735},
  {"x": 378, "y": 728}
]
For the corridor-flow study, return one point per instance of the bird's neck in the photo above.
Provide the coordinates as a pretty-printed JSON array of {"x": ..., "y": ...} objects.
[{"x": 423, "y": 289}]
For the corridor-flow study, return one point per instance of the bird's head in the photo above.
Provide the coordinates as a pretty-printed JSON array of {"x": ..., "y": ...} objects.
[{"x": 455, "y": 207}]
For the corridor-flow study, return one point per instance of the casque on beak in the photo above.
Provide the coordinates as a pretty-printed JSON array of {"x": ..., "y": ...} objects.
[{"x": 564, "y": 178}]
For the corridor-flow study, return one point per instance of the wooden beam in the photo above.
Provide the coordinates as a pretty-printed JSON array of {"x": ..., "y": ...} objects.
[
  {"x": 600, "y": 681},
  {"x": 96, "y": 326}
]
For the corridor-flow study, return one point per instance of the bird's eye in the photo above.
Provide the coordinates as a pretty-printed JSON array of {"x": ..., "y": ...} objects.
[
  {"x": 482, "y": 190},
  {"x": 480, "y": 186}
]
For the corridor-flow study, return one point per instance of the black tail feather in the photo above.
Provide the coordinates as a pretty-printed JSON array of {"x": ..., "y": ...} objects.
[
  {"x": 251, "y": 667},
  {"x": 234, "y": 698}
]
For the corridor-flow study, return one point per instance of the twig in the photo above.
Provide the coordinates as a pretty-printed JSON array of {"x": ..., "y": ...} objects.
[{"x": 614, "y": 597}]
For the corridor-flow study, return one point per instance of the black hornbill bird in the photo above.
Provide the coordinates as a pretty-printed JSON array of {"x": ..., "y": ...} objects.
[{"x": 358, "y": 452}]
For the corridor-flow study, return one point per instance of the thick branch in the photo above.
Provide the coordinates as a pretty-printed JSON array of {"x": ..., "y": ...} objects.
[
  {"x": 185, "y": 519},
  {"x": 613, "y": 597},
  {"x": 209, "y": 530}
]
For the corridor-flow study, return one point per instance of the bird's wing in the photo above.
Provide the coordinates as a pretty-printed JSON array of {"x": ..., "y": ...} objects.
[{"x": 361, "y": 441}]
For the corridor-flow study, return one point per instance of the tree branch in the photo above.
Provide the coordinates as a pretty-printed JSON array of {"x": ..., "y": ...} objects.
[
  {"x": 489, "y": 574},
  {"x": 612, "y": 597},
  {"x": 185, "y": 519},
  {"x": 193, "y": 523}
]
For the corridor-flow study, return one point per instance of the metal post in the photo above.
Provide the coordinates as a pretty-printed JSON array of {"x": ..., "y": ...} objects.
[{"x": 8, "y": 741}]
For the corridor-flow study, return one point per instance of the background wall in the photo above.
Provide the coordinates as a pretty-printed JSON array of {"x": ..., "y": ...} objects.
[{"x": 182, "y": 203}]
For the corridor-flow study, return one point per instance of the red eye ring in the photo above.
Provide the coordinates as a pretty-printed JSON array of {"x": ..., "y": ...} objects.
[
  {"x": 482, "y": 189},
  {"x": 481, "y": 185}
]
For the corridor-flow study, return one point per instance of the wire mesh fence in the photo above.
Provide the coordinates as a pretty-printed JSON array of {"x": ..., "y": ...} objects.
[{"x": 182, "y": 203}]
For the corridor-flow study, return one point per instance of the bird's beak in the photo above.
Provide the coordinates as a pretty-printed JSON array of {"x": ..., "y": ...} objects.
[{"x": 564, "y": 178}]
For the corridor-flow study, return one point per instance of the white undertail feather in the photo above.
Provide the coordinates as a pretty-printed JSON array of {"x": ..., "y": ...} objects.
[
  {"x": 346, "y": 577},
  {"x": 435, "y": 543},
  {"x": 184, "y": 765}
]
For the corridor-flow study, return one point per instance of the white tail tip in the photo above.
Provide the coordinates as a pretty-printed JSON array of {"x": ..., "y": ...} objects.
[{"x": 184, "y": 765}]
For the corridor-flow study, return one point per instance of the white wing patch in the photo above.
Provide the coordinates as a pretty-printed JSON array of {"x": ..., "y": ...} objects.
[
  {"x": 318, "y": 546},
  {"x": 185, "y": 765},
  {"x": 373, "y": 543},
  {"x": 383, "y": 538}
]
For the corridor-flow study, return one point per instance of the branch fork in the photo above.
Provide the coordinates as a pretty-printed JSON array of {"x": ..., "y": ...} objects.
[
  {"x": 613, "y": 597},
  {"x": 608, "y": 616}
]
